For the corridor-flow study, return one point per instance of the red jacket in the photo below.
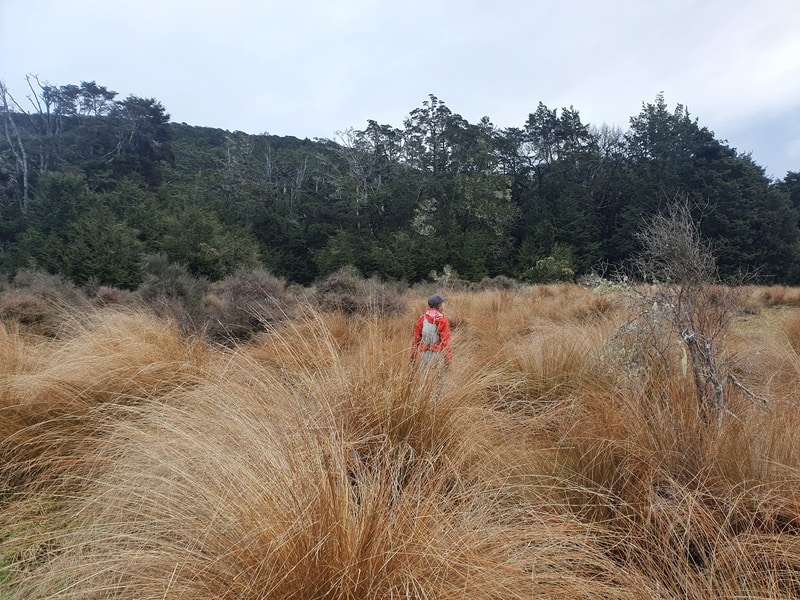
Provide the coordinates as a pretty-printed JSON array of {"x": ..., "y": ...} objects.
[{"x": 442, "y": 327}]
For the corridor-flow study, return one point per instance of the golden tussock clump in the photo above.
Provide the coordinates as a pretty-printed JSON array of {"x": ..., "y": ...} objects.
[
  {"x": 563, "y": 456},
  {"x": 53, "y": 389}
]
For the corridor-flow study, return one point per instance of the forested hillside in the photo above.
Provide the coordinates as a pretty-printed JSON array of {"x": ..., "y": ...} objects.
[{"x": 90, "y": 185}]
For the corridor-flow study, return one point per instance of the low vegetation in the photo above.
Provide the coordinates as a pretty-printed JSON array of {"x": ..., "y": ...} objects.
[{"x": 561, "y": 457}]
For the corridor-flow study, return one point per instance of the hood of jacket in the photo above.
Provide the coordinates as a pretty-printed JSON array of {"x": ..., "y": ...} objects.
[{"x": 433, "y": 316}]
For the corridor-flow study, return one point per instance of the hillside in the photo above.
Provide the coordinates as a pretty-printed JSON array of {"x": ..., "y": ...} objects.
[{"x": 93, "y": 185}]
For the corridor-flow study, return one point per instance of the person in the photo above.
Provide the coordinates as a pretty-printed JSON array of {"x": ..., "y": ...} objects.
[{"x": 431, "y": 342}]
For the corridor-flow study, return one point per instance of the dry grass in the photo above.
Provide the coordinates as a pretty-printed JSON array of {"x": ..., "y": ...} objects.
[
  {"x": 52, "y": 391},
  {"x": 313, "y": 462},
  {"x": 775, "y": 295}
]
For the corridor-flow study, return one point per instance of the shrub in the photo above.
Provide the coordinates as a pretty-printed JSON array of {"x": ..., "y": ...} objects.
[
  {"x": 39, "y": 301},
  {"x": 171, "y": 291},
  {"x": 244, "y": 303},
  {"x": 558, "y": 267},
  {"x": 550, "y": 270},
  {"x": 346, "y": 291},
  {"x": 500, "y": 282},
  {"x": 47, "y": 285},
  {"x": 448, "y": 279},
  {"x": 699, "y": 311},
  {"x": 24, "y": 307},
  {"x": 106, "y": 295}
]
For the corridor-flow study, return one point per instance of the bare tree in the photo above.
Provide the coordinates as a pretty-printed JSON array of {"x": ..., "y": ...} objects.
[
  {"x": 673, "y": 250},
  {"x": 10, "y": 106},
  {"x": 681, "y": 267}
]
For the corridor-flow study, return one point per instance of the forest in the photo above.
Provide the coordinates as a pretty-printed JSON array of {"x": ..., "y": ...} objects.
[{"x": 92, "y": 187}]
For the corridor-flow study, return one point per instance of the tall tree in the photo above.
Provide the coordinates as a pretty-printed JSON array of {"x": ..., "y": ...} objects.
[
  {"x": 142, "y": 138},
  {"x": 16, "y": 145},
  {"x": 558, "y": 203},
  {"x": 428, "y": 136},
  {"x": 791, "y": 186},
  {"x": 749, "y": 222}
]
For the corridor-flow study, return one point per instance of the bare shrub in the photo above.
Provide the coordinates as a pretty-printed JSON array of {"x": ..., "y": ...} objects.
[
  {"x": 40, "y": 301},
  {"x": 499, "y": 282},
  {"x": 106, "y": 295},
  {"x": 686, "y": 294},
  {"x": 48, "y": 285},
  {"x": 26, "y": 308}
]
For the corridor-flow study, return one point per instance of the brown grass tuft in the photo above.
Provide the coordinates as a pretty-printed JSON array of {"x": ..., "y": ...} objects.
[
  {"x": 554, "y": 460},
  {"x": 50, "y": 400}
]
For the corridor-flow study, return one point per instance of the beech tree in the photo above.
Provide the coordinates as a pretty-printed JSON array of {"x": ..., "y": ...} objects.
[
  {"x": 142, "y": 139},
  {"x": 558, "y": 202},
  {"x": 791, "y": 185},
  {"x": 749, "y": 220}
]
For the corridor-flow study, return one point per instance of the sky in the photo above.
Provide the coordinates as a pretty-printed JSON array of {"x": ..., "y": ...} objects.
[{"x": 316, "y": 68}]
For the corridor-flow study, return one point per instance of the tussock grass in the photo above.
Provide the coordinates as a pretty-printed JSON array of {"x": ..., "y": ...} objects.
[
  {"x": 53, "y": 389},
  {"x": 552, "y": 461},
  {"x": 14, "y": 356},
  {"x": 774, "y": 295}
]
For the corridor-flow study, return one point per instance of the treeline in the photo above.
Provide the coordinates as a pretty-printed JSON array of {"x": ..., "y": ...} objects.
[{"x": 89, "y": 185}]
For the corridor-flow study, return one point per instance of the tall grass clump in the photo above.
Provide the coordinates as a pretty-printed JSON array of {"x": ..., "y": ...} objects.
[
  {"x": 257, "y": 485},
  {"x": 685, "y": 502},
  {"x": 53, "y": 390},
  {"x": 563, "y": 455},
  {"x": 772, "y": 295},
  {"x": 535, "y": 360}
]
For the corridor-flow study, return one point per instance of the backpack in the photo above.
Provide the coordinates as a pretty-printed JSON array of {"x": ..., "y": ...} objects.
[{"x": 430, "y": 332}]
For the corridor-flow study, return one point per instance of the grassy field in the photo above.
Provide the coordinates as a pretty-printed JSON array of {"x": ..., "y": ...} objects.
[{"x": 563, "y": 456}]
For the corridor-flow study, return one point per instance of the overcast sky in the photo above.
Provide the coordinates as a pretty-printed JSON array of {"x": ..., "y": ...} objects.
[{"x": 310, "y": 68}]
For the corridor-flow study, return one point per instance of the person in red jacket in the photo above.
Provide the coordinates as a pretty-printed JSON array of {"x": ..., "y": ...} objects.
[{"x": 431, "y": 343}]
